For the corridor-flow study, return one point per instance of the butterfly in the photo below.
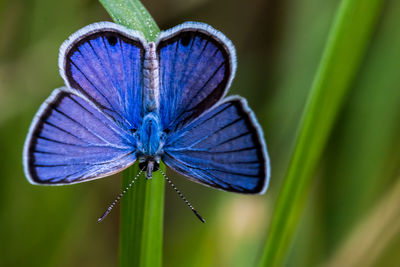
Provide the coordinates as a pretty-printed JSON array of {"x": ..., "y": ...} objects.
[{"x": 127, "y": 99}]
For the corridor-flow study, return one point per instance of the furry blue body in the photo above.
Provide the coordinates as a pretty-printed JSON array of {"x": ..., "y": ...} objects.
[{"x": 150, "y": 137}]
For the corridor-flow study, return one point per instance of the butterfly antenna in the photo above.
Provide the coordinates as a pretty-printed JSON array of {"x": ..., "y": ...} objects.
[
  {"x": 182, "y": 197},
  {"x": 119, "y": 197}
]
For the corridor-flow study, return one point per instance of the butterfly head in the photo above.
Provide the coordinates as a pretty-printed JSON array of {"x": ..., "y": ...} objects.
[{"x": 149, "y": 164}]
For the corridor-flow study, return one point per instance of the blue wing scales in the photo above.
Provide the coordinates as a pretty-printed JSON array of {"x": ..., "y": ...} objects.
[
  {"x": 103, "y": 61},
  {"x": 223, "y": 148},
  {"x": 197, "y": 65},
  {"x": 72, "y": 141}
]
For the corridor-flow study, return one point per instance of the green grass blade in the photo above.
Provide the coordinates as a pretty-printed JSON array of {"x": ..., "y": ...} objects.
[
  {"x": 365, "y": 149},
  {"x": 132, "y": 14},
  {"x": 142, "y": 220},
  {"x": 345, "y": 48},
  {"x": 142, "y": 207}
]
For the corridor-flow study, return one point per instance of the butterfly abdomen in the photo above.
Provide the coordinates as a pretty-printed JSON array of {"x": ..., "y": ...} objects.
[{"x": 151, "y": 79}]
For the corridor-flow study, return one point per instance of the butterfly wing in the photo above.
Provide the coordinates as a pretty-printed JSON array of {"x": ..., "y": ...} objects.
[
  {"x": 197, "y": 65},
  {"x": 103, "y": 61},
  {"x": 85, "y": 133},
  {"x": 71, "y": 141},
  {"x": 223, "y": 148}
]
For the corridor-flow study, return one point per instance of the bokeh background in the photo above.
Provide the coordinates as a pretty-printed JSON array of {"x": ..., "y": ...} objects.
[{"x": 353, "y": 211}]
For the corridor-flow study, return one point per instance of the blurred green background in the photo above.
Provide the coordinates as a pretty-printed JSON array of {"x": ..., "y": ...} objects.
[{"x": 352, "y": 216}]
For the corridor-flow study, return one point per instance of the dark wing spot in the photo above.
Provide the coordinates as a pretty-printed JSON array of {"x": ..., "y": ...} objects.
[
  {"x": 186, "y": 37},
  {"x": 112, "y": 40}
]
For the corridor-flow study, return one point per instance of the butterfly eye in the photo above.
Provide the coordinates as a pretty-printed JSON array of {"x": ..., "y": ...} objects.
[
  {"x": 112, "y": 40},
  {"x": 185, "y": 38},
  {"x": 166, "y": 131},
  {"x": 133, "y": 130}
]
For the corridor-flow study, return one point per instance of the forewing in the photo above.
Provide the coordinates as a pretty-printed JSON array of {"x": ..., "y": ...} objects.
[
  {"x": 223, "y": 148},
  {"x": 71, "y": 141},
  {"x": 197, "y": 65},
  {"x": 103, "y": 61}
]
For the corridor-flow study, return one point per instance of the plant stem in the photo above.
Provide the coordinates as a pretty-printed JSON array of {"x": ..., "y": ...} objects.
[
  {"x": 347, "y": 42},
  {"x": 142, "y": 207},
  {"x": 142, "y": 220}
]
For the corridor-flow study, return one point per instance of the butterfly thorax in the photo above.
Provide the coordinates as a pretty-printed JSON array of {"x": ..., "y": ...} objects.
[{"x": 150, "y": 136}]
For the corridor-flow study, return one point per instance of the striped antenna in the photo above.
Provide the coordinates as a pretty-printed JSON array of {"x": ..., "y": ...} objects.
[
  {"x": 119, "y": 197},
  {"x": 182, "y": 197}
]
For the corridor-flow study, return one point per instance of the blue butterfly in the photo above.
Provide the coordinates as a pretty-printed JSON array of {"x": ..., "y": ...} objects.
[{"x": 127, "y": 99}]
